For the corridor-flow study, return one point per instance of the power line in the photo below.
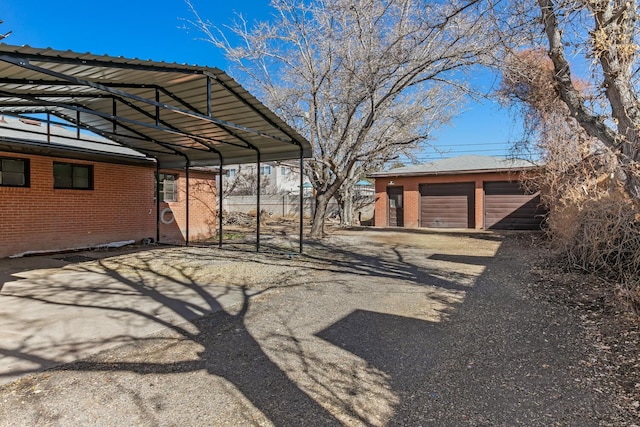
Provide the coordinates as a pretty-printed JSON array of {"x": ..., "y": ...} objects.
[
  {"x": 450, "y": 153},
  {"x": 466, "y": 144}
]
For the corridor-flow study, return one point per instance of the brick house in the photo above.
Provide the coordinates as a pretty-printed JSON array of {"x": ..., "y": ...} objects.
[
  {"x": 478, "y": 192},
  {"x": 59, "y": 200},
  {"x": 202, "y": 206}
]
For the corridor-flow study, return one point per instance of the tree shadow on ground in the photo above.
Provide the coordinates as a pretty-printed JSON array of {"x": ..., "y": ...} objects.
[
  {"x": 228, "y": 349},
  {"x": 392, "y": 262},
  {"x": 501, "y": 359},
  {"x": 400, "y": 347}
]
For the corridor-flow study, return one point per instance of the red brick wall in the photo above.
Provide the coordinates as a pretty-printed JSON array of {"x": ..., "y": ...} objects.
[
  {"x": 120, "y": 207},
  {"x": 411, "y": 186},
  {"x": 202, "y": 209},
  {"x": 41, "y": 218}
]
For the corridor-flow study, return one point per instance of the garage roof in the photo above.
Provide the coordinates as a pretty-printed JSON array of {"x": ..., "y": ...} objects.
[
  {"x": 457, "y": 165},
  {"x": 177, "y": 114}
]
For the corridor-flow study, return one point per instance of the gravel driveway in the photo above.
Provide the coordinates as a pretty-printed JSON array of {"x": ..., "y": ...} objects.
[{"x": 367, "y": 328}]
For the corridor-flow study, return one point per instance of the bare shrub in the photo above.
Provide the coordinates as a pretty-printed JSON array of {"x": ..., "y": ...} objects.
[
  {"x": 592, "y": 219},
  {"x": 605, "y": 240}
]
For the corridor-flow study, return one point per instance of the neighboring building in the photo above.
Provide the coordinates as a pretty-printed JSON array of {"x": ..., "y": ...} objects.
[
  {"x": 364, "y": 189},
  {"x": 277, "y": 178},
  {"x": 478, "y": 192},
  {"x": 58, "y": 200}
]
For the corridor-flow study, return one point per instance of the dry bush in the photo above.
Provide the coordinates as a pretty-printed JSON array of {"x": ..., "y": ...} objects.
[
  {"x": 603, "y": 238},
  {"x": 592, "y": 220}
]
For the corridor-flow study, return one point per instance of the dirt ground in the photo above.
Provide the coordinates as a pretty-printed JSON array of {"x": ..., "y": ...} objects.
[
  {"x": 367, "y": 327},
  {"x": 611, "y": 326}
]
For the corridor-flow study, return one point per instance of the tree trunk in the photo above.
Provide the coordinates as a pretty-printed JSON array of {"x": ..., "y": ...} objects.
[
  {"x": 632, "y": 173},
  {"x": 617, "y": 71},
  {"x": 346, "y": 206},
  {"x": 340, "y": 210},
  {"x": 317, "y": 228}
]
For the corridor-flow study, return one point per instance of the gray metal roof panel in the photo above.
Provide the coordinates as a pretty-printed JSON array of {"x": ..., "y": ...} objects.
[
  {"x": 461, "y": 164},
  {"x": 237, "y": 118}
]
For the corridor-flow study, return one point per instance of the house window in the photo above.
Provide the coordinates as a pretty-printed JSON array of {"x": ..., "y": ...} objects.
[
  {"x": 14, "y": 172},
  {"x": 265, "y": 170},
  {"x": 231, "y": 172},
  {"x": 72, "y": 176},
  {"x": 285, "y": 171},
  {"x": 168, "y": 187}
]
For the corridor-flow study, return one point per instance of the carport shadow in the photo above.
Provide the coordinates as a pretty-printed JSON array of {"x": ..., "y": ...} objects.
[{"x": 9, "y": 268}]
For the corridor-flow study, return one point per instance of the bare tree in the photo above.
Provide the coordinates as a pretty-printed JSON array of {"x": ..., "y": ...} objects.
[
  {"x": 5, "y": 35},
  {"x": 364, "y": 80},
  {"x": 588, "y": 127},
  {"x": 601, "y": 38},
  {"x": 576, "y": 164}
]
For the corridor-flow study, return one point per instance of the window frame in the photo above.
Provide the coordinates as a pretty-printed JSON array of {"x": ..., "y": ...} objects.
[
  {"x": 161, "y": 191},
  {"x": 74, "y": 185},
  {"x": 264, "y": 169},
  {"x": 26, "y": 172}
]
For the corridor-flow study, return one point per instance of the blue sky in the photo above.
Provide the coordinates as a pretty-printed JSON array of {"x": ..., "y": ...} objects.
[{"x": 158, "y": 30}]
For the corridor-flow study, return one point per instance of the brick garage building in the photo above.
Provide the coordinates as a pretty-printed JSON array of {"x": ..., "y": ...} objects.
[{"x": 478, "y": 192}]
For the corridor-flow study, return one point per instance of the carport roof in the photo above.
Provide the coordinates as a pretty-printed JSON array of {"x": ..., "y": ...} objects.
[
  {"x": 177, "y": 114},
  {"x": 458, "y": 165}
]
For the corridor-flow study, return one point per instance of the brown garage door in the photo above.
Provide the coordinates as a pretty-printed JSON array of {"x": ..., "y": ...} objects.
[
  {"x": 508, "y": 207},
  {"x": 447, "y": 205}
]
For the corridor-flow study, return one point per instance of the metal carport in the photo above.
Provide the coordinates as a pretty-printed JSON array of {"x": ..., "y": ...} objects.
[{"x": 179, "y": 115}]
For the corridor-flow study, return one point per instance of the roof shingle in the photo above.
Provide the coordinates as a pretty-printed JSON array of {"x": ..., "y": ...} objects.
[{"x": 461, "y": 164}]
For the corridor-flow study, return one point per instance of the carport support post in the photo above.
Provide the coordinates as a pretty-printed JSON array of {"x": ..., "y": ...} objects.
[
  {"x": 157, "y": 186},
  {"x": 48, "y": 127},
  {"x": 186, "y": 168},
  {"x": 258, "y": 205},
  {"x": 220, "y": 195},
  {"x": 157, "y": 170},
  {"x": 300, "y": 196}
]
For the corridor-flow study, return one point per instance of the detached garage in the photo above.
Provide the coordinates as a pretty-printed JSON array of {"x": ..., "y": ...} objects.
[{"x": 478, "y": 192}]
